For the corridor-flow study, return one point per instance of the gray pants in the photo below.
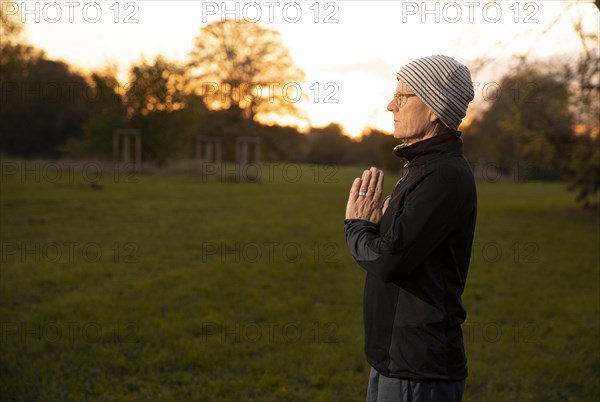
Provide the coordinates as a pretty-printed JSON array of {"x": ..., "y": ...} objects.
[{"x": 386, "y": 389}]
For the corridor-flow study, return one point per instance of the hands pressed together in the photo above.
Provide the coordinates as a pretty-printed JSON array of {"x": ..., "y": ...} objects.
[{"x": 363, "y": 201}]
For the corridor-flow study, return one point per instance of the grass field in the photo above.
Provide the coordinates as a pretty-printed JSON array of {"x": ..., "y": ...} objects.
[{"x": 172, "y": 288}]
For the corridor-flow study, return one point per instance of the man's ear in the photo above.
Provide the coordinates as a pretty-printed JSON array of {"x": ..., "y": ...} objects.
[{"x": 432, "y": 117}]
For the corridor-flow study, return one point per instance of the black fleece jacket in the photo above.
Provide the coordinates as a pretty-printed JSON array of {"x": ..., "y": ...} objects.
[{"x": 417, "y": 260}]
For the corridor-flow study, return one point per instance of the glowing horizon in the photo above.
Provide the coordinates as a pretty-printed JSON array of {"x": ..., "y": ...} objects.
[{"x": 349, "y": 51}]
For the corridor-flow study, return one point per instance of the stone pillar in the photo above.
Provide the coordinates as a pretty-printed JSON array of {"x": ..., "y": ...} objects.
[
  {"x": 122, "y": 148},
  {"x": 244, "y": 156},
  {"x": 125, "y": 150},
  {"x": 208, "y": 150},
  {"x": 138, "y": 149}
]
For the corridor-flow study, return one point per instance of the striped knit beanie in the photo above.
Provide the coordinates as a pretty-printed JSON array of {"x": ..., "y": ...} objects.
[{"x": 443, "y": 84}]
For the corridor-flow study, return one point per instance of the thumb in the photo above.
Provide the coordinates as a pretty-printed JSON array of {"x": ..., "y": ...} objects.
[{"x": 386, "y": 203}]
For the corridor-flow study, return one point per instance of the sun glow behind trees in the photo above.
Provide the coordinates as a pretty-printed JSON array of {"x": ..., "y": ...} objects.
[{"x": 349, "y": 51}]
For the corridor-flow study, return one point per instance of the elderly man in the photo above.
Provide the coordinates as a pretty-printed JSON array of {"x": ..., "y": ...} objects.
[{"x": 416, "y": 247}]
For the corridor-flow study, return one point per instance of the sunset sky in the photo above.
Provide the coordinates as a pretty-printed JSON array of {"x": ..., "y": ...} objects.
[{"x": 349, "y": 50}]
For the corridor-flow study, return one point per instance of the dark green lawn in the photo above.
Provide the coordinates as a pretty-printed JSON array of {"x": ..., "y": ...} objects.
[{"x": 171, "y": 288}]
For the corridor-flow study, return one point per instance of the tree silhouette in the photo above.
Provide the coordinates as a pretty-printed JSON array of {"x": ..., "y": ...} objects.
[
  {"x": 155, "y": 86},
  {"x": 244, "y": 67},
  {"x": 106, "y": 110},
  {"x": 328, "y": 145},
  {"x": 10, "y": 27},
  {"x": 581, "y": 76},
  {"x": 42, "y": 101},
  {"x": 530, "y": 122},
  {"x": 158, "y": 105}
]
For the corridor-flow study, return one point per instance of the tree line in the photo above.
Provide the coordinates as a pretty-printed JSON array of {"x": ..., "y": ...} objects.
[{"x": 545, "y": 116}]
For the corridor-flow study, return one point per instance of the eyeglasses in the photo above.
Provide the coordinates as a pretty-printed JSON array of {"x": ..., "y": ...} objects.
[{"x": 401, "y": 98}]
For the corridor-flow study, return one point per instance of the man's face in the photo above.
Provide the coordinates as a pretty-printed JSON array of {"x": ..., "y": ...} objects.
[{"x": 412, "y": 118}]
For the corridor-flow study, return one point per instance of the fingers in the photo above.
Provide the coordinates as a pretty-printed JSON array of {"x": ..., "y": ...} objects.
[
  {"x": 375, "y": 184},
  {"x": 352, "y": 197},
  {"x": 378, "y": 186},
  {"x": 355, "y": 187},
  {"x": 366, "y": 206},
  {"x": 374, "y": 173},
  {"x": 366, "y": 178},
  {"x": 369, "y": 181},
  {"x": 370, "y": 184}
]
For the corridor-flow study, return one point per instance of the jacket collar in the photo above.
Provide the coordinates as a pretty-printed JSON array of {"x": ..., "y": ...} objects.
[{"x": 448, "y": 143}]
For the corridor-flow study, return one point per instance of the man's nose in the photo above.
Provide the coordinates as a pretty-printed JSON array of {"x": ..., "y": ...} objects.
[{"x": 391, "y": 106}]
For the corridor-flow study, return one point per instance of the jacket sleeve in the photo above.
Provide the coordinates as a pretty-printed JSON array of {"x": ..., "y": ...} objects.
[{"x": 428, "y": 215}]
